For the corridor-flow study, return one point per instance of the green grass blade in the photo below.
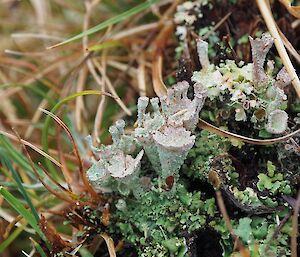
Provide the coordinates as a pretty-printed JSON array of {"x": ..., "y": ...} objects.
[
  {"x": 39, "y": 248},
  {"x": 84, "y": 252},
  {"x": 12, "y": 237},
  {"x": 104, "y": 45},
  {"x": 16, "y": 204},
  {"x": 17, "y": 157},
  {"x": 109, "y": 22},
  {"x": 21, "y": 188}
]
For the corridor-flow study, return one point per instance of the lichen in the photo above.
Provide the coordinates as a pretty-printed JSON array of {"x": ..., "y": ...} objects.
[
  {"x": 165, "y": 136},
  {"x": 254, "y": 94},
  {"x": 155, "y": 224}
]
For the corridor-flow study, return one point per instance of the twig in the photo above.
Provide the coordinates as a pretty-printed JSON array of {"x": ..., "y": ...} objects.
[
  {"x": 294, "y": 232},
  {"x": 206, "y": 36},
  {"x": 276, "y": 232},
  {"x": 239, "y": 245}
]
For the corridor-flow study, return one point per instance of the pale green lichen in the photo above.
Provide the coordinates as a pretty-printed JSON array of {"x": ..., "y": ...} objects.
[
  {"x": 253, "y": 93},
  {"x": 155, "y": 224},
  {"x": 165, "y": 135}
]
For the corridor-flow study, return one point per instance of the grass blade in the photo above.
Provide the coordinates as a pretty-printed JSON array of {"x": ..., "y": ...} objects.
[
  {"x": 12, "y": 237},
  {"x": 16, "y": 204},
  {"x": 109, "y": 22},
  {"x": 18, "y": 180},
  {"x": 38, "y": 248},
  {"x": 48, "y": 120}
]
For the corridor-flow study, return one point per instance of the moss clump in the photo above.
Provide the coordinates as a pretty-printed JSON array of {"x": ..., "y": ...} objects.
[{"x": 156, "y": 224}]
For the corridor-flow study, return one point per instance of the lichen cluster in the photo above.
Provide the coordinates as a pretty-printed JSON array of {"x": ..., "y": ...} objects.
[
  {"x": 151, "y": 173},
  {"x": 164, "y": 135},
  {"x": 157, "y": 225},
  {"x": 253, "y": 93}
]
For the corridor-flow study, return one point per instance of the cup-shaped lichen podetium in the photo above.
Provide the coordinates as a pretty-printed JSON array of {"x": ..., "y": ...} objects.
[
  {"x": 173, "y": 146},
  {"x": 277, "y": 122},
  {"x": 120, "y": 169},
  {"x": 147, "y": 125},
  {"x": 179, "y": 109},
  {"x": 99, "y": 176},
  {"x": 125, "y": 170},
  {"x": 260, "y": 47}
]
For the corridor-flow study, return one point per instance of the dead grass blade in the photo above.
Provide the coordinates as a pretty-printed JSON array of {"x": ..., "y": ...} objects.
[
  {"x": 293, "y": 10},
  {"x": 76, "y": 152},
  {"x": 271, "y": 25},
  {"x": 11, "y": 225},
  {"x": 159, "y": 44},
  {"x": 66, "y": 173},
  {"x": 110, "y": 245},
  {"x": 51, "y": 190},
  {"x": 207, "y": 126},
  {"x": 289, "y": 46},
  {"x": 141, "y": 75},
  {"x": 112, "y": 89},
  {"x": 15, "y": 138}
]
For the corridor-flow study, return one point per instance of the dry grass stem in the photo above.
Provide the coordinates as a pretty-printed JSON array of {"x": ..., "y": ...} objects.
[{"x": 271, "y": 24}]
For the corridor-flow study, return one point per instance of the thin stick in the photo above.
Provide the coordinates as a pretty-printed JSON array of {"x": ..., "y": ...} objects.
[
  {"x": 294, "y": 233},
  {"x": 224, "y": 213},
  {"x": 271, "y": 24},
  {"x": 276, "y": 232},
  {"x": 237, "y": 242}
]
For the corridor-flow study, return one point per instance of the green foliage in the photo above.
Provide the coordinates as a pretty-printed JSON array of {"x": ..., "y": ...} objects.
[
  {"x": 273, "y": 181},
  {"x": 257, "y": 231},
  {"x": 18, "y": 206},
  {"x": 200, "y": 158},
  {"x": 156, "y": 222}
]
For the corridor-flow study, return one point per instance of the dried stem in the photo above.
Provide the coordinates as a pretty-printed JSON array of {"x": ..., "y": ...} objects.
[
  {"x": 271, "y": 24},
  {"x": 207, "y": 126},
  {"x": 76, "y": 152},
  {"x": 15, "y": 138},
  {"x": 294, "y": 233}
]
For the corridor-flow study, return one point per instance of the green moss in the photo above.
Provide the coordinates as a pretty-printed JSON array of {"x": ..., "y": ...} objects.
[{"x": 159, "y": 221}]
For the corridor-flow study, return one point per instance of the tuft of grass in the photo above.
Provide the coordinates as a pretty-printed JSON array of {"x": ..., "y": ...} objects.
[{"x": 115, "y": 19}]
